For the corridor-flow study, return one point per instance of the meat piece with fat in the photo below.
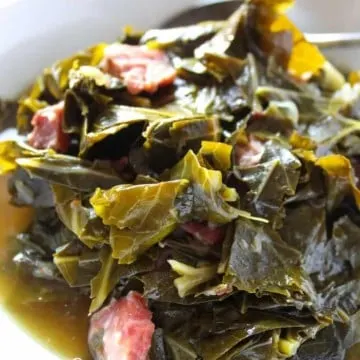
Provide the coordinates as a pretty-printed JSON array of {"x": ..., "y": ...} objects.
[
  {"x": 122, "y": 330},
  {"x": 140, "y": 68},
  {"x": 47, "y": 129}
]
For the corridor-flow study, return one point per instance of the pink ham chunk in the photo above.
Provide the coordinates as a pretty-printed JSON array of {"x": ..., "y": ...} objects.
[
  {"x": 125, "y": 329},
  {"x": 249, "y": 154},
  {"x": 207, "y": 234},
  {"x": 47, "y": 129},
  {"x": 140, "y": 68}
]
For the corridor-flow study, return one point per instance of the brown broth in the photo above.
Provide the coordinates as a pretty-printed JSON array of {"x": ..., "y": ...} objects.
[{"x": 53, "y": 314}]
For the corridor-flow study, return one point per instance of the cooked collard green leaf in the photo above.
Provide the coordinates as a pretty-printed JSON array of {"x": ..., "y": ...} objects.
[
  {"x": 261, "y": 262},
  {"x": 137, "y": 225},
  {"x": 70, "y": 171},
  {"x": 10, "y": 151},
  {"x": 212, "y": 169},
  {"x": 271, "y": 180},
  {"x": 204, "y": 200}
]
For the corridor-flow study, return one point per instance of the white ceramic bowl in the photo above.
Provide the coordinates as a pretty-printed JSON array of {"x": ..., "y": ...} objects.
[{"x": 35, "y": 33}]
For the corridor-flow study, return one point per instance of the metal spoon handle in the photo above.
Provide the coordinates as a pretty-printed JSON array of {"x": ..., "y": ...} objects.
[{"x": 328, "y": 40}]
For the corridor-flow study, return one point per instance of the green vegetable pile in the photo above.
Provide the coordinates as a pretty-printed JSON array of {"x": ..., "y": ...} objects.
[{"x": 256, "y": 142}]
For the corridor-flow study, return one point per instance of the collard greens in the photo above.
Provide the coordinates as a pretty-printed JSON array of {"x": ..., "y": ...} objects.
[{"x": 229, "y": 198}]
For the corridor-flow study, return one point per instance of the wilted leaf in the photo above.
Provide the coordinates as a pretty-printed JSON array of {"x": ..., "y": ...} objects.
[
  {"x": 128, "y": 244},
  {"x": 250, "y": 324},
  {"x": 279, "y": 36},
  {"x": 340, "y": 166},
  {"x": 327, "y": 345},
  {"x": 347, "y": 241},
  {"x": 51, "y": 85},
  {"x": 217, "y": 154},
  {"x": 10, "y": 151},
  {"x": 139, "y": 215},
  {"x": 77, "y": 268},
  {"x": 227, "y": 101},
  {"x": 304, "y": 229},
  {"x": 181, "y": 36},
  {"x": 260, "y": 261},
  {"x": 251, "y": 126},
  {"x": 104, "y": 282},
  {"x": 175, "y": 136},
  {"x": 270, "y": 181},
  {"x": 180, "y": 349},
  {"x": 70, "y": 171},
  {"x": 78, "y": 218},
  {"x": 138, "y": 207},
  {"x": 29, "y": 191},
  {"x": 203, "y": 200},
  {"x": 226, "y": 40},
  {"x": 298, "y": 141}
]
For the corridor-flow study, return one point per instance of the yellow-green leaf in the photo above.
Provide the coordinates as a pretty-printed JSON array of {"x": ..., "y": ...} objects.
[
  {"x": 219, "y": 154},
  {"x": 338, "y": 165},
  {"x": 128, "y": 244},
  {"x": 139, "y": 207},
  {"x": 105, "y": 281},
  {"x": 11, "y": 150}
]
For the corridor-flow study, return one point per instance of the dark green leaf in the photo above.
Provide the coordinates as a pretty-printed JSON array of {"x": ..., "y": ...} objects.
[
  {"x": 225, "y": 101},
  {"x": 328, "y": 345},
  {"x": 176, "y": 136},
  {"x": 27, "y": 191},
  {"x": 159, "y": 286},
  {"x": 217, "y": 347},
  {"x": 51, "y": 85},
  {"x": 260, "y": 261},
  {"x": 179, "y": 348},
  {"x": 228, "y": 40},
  {"x": 304, "y": 229},
  {"x": 77, "y": 270},
  {"x": 81, "y": 220},
  {"x": 158, "y": 350},
  {"x": 271, "y": 181},
  {"x": 70, "y": 171},
  {"x": 346, "y": 237},
  {"x": 7, "y": 114},
  {"x": 181, "y": 36},
  {"x": 256, "y": 349},
  {"x": 47, "y": 232},
  {"x": 130, "y": 121}
]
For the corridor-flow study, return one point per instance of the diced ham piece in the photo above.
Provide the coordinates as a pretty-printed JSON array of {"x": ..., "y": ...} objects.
[
  {"x": 140, "y": 68},
  {"x": 47, "y": 129},
  {"x": 207, "y": 234},
  {"x": 122, "y": 330},
  {"x": 249, "y": 154}
]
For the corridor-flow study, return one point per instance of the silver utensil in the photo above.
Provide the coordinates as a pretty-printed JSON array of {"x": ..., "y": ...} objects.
[
  {"x": 329, "y": 40},
  {"x": 220, "y": 10}
]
